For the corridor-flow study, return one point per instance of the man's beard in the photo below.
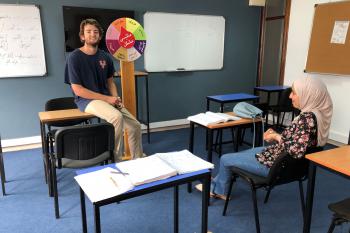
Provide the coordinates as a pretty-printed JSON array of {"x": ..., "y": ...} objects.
[{"x": 95, "y": 45}]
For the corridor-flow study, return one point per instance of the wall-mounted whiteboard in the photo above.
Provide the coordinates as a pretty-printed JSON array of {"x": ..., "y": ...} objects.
[
  {"x": 21, "y": 41},
  {"x": 183, "y": 42}
]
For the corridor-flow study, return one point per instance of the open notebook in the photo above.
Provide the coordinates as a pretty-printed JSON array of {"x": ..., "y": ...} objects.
[
  {"x": 105, "y": 183},
  {"x": 209, "y": 118},
  {"x": 162, "y": 165}
]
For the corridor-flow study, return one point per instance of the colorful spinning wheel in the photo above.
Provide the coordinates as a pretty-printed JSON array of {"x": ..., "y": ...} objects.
[{"x": 126, "y": 39}]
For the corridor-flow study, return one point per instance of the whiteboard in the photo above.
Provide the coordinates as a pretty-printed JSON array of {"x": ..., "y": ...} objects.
[
  {"x": 183, "y": 42},
  {"x": 21, "y": 41}
]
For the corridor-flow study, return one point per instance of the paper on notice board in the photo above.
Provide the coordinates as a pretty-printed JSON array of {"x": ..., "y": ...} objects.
[{"x": 340, "y": 30}]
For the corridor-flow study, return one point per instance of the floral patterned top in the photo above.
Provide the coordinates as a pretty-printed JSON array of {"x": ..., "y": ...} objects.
[{"x": 296, "y": 138}]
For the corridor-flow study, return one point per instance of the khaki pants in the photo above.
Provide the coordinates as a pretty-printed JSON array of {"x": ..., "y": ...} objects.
[{"x": 121, "y": 119}]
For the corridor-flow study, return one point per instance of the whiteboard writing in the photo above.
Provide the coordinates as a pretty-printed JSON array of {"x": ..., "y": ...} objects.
[{"x": 21, "y": 42}]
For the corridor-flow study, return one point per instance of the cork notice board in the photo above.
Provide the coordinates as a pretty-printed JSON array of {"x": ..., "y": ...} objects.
[{"x": 329, "y": 49}]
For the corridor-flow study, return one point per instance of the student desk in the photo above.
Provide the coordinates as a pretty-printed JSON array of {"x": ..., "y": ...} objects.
[
  {"x": 269, "y": 90},
  {"x": 56, "y": 116},
  {"x": 141, "y": 74},
  {"x": 230, "y": 98},
  {"x": 237, "y": 125},
  {"x": 175, "y": 181},
  {"x": 335, "y": 160}
]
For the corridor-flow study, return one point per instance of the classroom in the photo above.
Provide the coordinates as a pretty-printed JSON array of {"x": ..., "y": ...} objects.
[{"x": 173, "y": 94}]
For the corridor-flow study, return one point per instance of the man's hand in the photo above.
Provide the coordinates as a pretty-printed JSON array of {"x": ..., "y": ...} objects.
[{"x": 119, "y": 103}]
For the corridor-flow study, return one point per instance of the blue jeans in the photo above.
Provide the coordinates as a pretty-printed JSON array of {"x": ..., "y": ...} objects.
[{"x": 245, "y": 160}]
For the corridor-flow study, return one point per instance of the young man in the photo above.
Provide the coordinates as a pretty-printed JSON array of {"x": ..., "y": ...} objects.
[{"x": 89, "y": 71}]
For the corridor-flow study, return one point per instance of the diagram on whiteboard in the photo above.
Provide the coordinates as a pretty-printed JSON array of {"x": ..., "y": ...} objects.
[{"x": 126, "y": 39}]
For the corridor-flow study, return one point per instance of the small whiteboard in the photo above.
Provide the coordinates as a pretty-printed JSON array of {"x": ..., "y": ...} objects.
[
  {"x": 21, "y": 41},
  {"x": 183, "y": 42}
]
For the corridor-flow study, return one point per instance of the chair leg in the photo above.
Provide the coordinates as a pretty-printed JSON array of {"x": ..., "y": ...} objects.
[
  {"x": 54, "y": 185},
  {"x": 256, "y": 212},
  {"x": 302, "y": 200},
  {"x": 267, "y": 195},
  {"x": 228, "y": 195},
  {"x": 332, "y": 226},
  {"x": 282, "y": 119}
]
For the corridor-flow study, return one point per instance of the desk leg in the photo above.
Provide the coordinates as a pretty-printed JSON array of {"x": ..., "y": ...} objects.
[
  {"x": 2, "y": 171},
  {"x": 43, "y": 147},
  {"x": 210, "y": 145},
  {"x": 309, "y": 197},
  {"x": 206, "y": 131},
  {"x": 205, "y": 203},
  {"x": 147, "y": 106},
  {"x": 176, "y": 209},
  {"x": 190, "y": 146},
  {"x": 97, "y": 219},
  {"x": 83, "y": 211},
  {"x": 45, "y": 150},
  {"x": 237, "y": 138}
]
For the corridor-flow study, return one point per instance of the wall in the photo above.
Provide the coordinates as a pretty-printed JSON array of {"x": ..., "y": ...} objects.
[
  {"x": 172, "y": 95},
  {"x": 338, "y": 85}
]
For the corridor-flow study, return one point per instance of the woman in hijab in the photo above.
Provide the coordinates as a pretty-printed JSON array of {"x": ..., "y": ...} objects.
[{"x": 309, "y": 129}]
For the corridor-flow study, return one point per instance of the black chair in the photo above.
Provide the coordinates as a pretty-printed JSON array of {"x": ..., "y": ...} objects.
[
  {"x": 51, "y": 105},
  {"x": 341, "y": 210},
  {"x": 2, "y": 171},
  {"x": 79, "y": 147},
  {"x": 59, "y": 104},
  {"x": 341, "y": 213},
  {"x": 285, "y": 170},
  {"x": 283, "y": 106}
]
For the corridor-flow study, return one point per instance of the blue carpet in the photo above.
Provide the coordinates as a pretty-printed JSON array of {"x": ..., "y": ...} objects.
[{"x": 28, "y": 208}]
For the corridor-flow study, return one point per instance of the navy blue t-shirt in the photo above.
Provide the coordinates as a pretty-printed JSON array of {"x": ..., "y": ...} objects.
[{"x": 89, "y": 71}]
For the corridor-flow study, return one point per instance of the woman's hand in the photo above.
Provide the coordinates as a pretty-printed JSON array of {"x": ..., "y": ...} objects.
[{"x": 271, "y": 135}]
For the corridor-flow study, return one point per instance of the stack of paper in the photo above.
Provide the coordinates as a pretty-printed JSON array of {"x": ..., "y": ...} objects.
[
  {"x": 184, "y": 161},
  {"x": 212, "y": 118},
  {"x": 146, "y": 170},
  {"x": 103, "y": 184}
]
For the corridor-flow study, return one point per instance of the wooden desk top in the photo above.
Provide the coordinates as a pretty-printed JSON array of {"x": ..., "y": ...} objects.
[
  {"x": 242, "y": 121},
  {"x": 61, "y": 115},
  {"x": 136, "y": 73},
  {"x": 337, "y": 159}
]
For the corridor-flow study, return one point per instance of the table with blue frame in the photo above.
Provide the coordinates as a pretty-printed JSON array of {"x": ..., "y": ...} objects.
[
  {"x": 270, "y": 89},
  {"x": 230, "y": 98},
  {"x": 224, "y": 99},
  {"x": 203, "y": 176}
]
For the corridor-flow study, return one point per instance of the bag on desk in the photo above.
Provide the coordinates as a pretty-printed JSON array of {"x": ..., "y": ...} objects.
[{"x": 245, "y": 110}]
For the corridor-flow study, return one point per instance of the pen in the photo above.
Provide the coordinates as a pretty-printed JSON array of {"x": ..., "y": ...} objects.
[
  {"x": 116, "y": 172},
  {"x": 114, "y": 182}
]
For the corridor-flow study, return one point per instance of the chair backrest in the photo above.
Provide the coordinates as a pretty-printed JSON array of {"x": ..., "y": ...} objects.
[
  {"x": 62, "y": 104},
  {"x": 287, "y": 169},
  {"x": 84, "y": 142}
]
